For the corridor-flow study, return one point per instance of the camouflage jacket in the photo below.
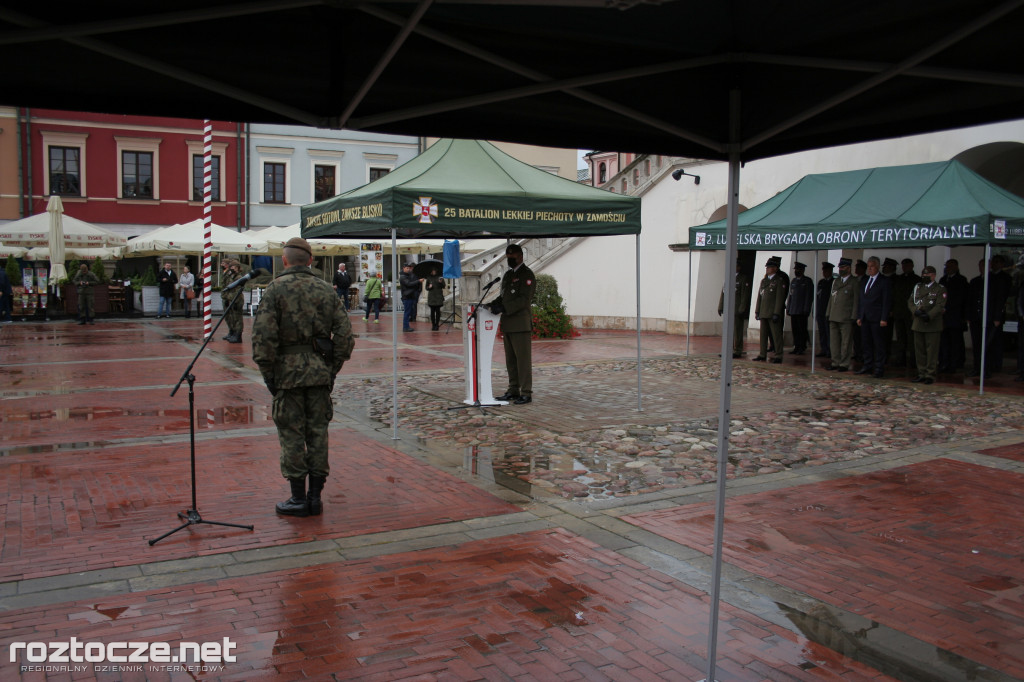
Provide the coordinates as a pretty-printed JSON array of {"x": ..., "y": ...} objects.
[
  {"x": 296, "y": 307},
  {"x": 226, "y": 278},
  {"x": 84, "y": 280}
]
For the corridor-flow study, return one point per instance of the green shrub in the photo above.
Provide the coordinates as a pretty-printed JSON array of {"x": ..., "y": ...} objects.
[
  {"x": 13, "y": 271},
  {"x": 149, "y": 279},
  {"x": 100, "y": 271},
  {"x": 550, "y": 320}
]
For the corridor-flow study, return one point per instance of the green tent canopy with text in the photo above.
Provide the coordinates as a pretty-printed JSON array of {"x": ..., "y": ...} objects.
[
  {"x": 471, "y": 189},
  {"x": 920, "y": 205}
]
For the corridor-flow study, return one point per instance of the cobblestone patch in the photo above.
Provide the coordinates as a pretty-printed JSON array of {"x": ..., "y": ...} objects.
[{"x": 781, "y": 421}]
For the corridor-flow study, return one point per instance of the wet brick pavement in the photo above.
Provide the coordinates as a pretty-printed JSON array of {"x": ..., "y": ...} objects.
[{"x": 566, "y": 540}]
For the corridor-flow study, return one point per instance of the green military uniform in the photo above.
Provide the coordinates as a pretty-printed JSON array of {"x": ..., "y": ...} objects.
[
  {"x": 517, "y": 288},
  {"x": 841, "y": 312},
  {"x": 85, "y": 281},
  {"x": 296, "y": 308},
  {"x": 233, "y": 316},
  {"x": 771, "y": 311},
  {"x": 902, "y": 334},
  {"x": 930, "y": 300},
  {"x": 743, "y": 288}
]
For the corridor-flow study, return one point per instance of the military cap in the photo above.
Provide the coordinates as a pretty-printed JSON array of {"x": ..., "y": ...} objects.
[
  {"x": 889, "y": 262},
  {"x": 773, "y": 262},
  {"x": 799, "y": 266},
  {"x": 928, "y": 268},
  {"x": 860, "y": 262},
  {"x": 845, "y": 261},
  {"x": 907, "y": 260},
  {"x": 827, "y": 266},
  {"x": 299, "y": 243}
]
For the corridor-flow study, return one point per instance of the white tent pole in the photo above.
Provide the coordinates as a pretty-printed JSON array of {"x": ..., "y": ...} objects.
[
  {"x": 987, "y": 267},
  {"x": 725, "y": 398},
  {"x": 689, "y": 294},
  {"x": 814, "y": 313},
  {"x": 639, "y": 360},
  {"x": 394, "y": 335}
]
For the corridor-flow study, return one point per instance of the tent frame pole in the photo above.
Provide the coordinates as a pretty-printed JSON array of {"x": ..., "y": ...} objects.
[
  {"x": 394, "y": 335},
  {"x": 725, "y": 379},
  {"x": 689, "y": 295},
  {"x": 639, "y": 359},
  {"x": 984, "y": 319},
  {"x": 814, "y": 313}
]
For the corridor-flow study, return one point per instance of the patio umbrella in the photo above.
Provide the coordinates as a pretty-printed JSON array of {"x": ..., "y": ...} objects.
[
  {"x": 35, "y": 231},
  {"x": 56, "y": 246}
]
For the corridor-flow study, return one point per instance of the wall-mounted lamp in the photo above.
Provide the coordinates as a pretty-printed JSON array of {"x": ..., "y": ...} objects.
[{"x": 679, "y": 172}]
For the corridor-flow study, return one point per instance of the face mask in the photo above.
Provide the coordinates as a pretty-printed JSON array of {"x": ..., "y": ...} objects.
[{"x": 512, "y": 262}]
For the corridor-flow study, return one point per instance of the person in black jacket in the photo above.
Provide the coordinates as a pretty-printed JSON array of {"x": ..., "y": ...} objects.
[
  {"x": 166, "y": 279},
  {"x": 410, "y": 296},
  {"x": 798, "y": 306},
  {"x": 342, "y": 283},
  {"x": 821, "y": 306},
  {"x": 952, "y": 351},
  {"x": 999, "y": 285},
  {"x": 873, "y": 317}
]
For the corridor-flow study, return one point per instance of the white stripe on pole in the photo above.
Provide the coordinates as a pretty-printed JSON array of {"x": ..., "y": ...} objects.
[{"x": 207, "y": 229}]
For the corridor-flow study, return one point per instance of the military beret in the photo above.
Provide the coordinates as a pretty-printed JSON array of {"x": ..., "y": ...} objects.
[
  {"x": 773, "y": 262},
  {"x": 299, "y": 243},
  {"x": 845, "y": 261},
  {"x": 827, "y": 266},
  {"x": 799, "y": 266},
  {"x": 889, "y": 262}
]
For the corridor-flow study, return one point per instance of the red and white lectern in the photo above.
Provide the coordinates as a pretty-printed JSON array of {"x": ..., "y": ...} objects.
[{"x": 478, "y": 340}]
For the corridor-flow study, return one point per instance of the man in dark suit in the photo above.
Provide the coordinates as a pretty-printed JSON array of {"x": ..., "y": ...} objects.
[
  {"x": 952, "y": 350},
  {"x": 873, "y": 317}
]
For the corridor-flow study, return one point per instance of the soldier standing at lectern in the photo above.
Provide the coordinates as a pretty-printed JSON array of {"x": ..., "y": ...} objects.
[{"x": 514, "y": 304}]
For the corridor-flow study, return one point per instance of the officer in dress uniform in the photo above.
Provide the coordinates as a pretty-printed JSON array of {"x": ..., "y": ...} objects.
[
  {"x": 515, "y": 306},
  {"x": 927, "y": 304},
  {"x": 798, "y": 306},
  {"x": 842, "y": 315},
  {"x": 771, "y": 309},
  {"x": 742, "y": 311},
  {"x": 301, "y": 337}
]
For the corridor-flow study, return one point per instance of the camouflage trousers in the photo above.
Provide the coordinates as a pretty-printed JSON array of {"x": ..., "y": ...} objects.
[
  {"x": 234, "y": 320},
  {"x": 302, "y": 416}
]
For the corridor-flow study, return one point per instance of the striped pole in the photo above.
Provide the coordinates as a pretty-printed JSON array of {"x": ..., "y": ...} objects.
[{"x": 207, "y": 229}]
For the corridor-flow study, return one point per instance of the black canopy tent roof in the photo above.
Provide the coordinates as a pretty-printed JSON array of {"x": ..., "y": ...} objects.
[
  {"x": 732, "y": 81},
  {"x": 808, "y": 74}
]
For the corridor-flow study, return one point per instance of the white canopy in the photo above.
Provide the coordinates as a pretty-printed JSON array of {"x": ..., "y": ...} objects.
[
  {"x": 277, "y": 236},
  {"x": 42, "y": 253},
  {"x": 190, "y": 237},
  {"x": 35, "y": 231}
]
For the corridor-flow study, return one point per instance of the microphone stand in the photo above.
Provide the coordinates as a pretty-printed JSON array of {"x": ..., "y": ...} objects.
[
  {"x": 475, "y": 330},
  {"x": 191, "y": 517}
]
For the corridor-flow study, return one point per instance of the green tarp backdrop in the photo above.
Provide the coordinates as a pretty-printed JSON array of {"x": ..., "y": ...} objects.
[
  {"x": 469, "y": 188},
  {"x": 900, "y": 206}
]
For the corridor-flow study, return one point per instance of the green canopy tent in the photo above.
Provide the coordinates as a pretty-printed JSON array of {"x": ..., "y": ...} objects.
[
  {"x": 921, "y": 205},
  {"x": 470, "y": 188},
  {"x": 467, "y": 189}
]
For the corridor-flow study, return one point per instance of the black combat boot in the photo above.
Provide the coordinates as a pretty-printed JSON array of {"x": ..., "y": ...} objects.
[
  {"x": 316, "y": 486},
  {"x": 296, "y": 504}
]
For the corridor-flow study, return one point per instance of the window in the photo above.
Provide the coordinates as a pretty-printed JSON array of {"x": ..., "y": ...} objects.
[
  {"x": 378, "y": 173},
  {"x": 324, "y": 183},
  {"x": 196, "y": 152},
  {"x": 65, "y": 176},
  {"x": 274, "y": 183},
  {"x": 137, "y": 175},
  {"x": 138, "y": 167},
  {"x": 378, "y": 165},
  {"x": 64, "y": 160},
  {"x": 602, "y": 173},
  {"x": 198, "y": 179}
]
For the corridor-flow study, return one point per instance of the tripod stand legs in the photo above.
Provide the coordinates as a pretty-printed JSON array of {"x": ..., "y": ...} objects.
[{"x": 191, "y": 517}]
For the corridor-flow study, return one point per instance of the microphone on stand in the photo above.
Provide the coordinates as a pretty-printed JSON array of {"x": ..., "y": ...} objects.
[
  {"x": 492, "y": 283},
  {"x": 245, "y": 278}
]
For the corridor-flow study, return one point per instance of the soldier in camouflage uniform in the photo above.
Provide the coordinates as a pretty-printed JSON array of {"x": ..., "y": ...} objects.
[
  {"x": 301, "y": 320},
  {"x": 232, "y": 271},
  {"x": 927, "y": 304},
  {"x": 85, "y": 279}
]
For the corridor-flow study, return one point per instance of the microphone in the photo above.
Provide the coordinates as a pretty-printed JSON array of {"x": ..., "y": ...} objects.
[
  {"x": 242, "y": 280},
  {"x": 492, "y": 283}
]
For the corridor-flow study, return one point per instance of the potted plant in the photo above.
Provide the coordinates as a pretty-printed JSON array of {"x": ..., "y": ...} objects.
[{"x": 150, "y": 292}]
